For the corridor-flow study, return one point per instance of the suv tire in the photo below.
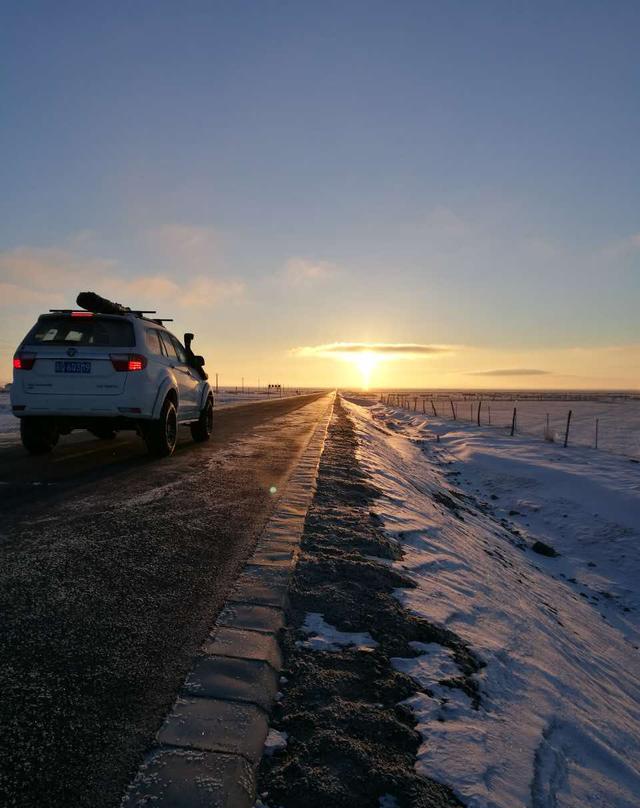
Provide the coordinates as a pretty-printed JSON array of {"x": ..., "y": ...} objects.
[
  {"x": 39, "y": 435},
  {"x": 161, "y": 434},
  {"x": 202, "y": 428}
]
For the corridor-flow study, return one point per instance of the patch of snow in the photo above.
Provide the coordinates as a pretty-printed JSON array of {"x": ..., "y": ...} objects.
[
  {"x": 324, "y": 637},
  {"x": 559, "y": 719},
  {"x": 275, "y": 741},
  {"x": 9, "y": 424}
]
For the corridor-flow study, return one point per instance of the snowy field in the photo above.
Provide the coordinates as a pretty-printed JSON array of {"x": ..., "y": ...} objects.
[
  {"x": 559, "y": 719},
  {"x": 227, "y": 398},
  {"x": 617, "y": 416}
]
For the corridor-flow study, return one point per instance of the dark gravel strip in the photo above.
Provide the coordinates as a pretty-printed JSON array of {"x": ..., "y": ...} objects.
[{"x": 349, "y": 740}]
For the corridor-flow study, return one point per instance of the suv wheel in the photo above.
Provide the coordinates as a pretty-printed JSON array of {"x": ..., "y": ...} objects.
[
  {"x": 39, "y": 435},
  {"x": 161, "y": 435},
  {"x": 202, "y": 428}
]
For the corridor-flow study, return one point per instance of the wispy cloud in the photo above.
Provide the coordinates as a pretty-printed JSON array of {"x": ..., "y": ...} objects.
[
  {"x": 193, "y": 247},
  {"x": 390, "y": 350},
  {"x": 53, "y": 276},
  {"x": 510, "y": 372},
  {"x": 305, "y": 271},
  {"x": 620, "y": 249}
]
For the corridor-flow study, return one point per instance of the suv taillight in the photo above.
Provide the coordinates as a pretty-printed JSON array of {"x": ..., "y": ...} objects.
[
  {"x": 128, "y": 362},
  {"x": 24, "y": 361}
]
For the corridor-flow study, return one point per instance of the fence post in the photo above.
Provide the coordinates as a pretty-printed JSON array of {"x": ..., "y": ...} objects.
[
  {"x": 424, "y": 409},
  {"x": 415, "y": 403},
  {"x": 433, "y": 407},
  {"x": 597, "y": 423},
  {"x": 489, "y": 408},
  {"x": 471, "y": 411},
  {"x": 566, "y": 434},
  {"x": 479, "y": 406},
  {"x": 513, "y": 421},
  {"x": 453, "y": 409}
]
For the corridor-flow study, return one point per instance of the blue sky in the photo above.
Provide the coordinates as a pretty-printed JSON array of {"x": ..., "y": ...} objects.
[{"x": 289, "y": 174}]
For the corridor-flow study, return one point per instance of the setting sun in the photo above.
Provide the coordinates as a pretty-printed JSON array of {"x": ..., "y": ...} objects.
[{"x": 366, "y": 362}]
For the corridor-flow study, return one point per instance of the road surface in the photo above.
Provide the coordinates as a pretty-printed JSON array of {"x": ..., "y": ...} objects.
[{"x": 112, "y": 568}]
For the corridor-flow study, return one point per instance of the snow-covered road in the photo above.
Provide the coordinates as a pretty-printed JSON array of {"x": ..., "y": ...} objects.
[{"x": 559, "y": 718}]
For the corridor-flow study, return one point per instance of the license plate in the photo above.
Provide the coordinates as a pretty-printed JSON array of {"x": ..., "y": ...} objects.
[{"x": 63, "y": 366}]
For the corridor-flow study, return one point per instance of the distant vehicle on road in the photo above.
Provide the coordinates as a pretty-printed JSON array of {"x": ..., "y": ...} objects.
[{"x": 106, "y": 368}]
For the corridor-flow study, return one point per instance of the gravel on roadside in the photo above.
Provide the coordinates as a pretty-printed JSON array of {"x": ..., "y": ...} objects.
[{"x": 349, "y": 739}]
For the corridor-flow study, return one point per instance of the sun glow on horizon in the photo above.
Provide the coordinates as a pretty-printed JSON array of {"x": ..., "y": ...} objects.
[{"x": 365, "y": 362}]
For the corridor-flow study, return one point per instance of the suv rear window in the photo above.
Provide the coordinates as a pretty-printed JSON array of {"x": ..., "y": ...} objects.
[{"x": 99, "y": 331}]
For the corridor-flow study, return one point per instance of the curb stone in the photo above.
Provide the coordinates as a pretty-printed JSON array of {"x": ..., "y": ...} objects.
[{"x": 209, "y": 746}]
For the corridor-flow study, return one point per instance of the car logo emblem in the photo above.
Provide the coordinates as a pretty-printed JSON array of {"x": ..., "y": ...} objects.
[{"x": 71, "y": 351}]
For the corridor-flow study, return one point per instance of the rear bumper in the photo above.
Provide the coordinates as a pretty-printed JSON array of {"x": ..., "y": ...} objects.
[{"x": 24, "y": 405}]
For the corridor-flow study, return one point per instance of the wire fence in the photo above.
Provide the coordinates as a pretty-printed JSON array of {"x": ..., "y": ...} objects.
[{"x": 610, "y": 423}]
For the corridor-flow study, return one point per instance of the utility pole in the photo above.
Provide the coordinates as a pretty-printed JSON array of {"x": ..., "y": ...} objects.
[
  {"x": 216, "y": 384},
  {"x": 243, "y": 385}
]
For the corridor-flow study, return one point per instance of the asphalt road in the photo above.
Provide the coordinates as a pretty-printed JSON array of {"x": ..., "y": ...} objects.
[{"x": 112, "y": 568}]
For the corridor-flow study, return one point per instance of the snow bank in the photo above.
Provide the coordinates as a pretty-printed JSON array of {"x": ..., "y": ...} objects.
[{"x": 559, "y": 720}]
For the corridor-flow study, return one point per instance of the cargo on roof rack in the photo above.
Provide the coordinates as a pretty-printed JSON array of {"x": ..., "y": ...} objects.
[{"x": 96, "y": 304}]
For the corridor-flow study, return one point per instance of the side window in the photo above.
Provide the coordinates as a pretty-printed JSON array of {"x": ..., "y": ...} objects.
[
  {"x": 182, "y": 354},
  {"x": 167, "y": 345},
  {"x": 152, "y": 341}
]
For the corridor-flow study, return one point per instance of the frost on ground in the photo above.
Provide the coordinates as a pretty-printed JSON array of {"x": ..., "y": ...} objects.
[{"x": 558, "y": 722}]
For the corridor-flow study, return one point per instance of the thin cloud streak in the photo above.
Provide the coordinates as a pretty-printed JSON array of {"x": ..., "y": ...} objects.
[
  {"x": 396, "y": 350},
  {"x": 510, "y": 372}
]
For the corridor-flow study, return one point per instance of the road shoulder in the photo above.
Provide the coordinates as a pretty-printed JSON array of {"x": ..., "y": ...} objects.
[{"x": 210, "y": 744}]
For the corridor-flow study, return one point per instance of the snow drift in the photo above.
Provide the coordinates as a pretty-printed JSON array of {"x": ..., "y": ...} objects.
[{"x": 559, "y": 717}]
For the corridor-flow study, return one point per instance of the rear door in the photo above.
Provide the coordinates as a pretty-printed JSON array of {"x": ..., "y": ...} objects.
[
  {"x": 73, "y": 355},
  {"x": 187, "y": 385}
]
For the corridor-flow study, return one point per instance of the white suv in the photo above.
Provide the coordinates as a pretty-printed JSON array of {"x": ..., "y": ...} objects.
[{"x": 106, "y": 372}]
